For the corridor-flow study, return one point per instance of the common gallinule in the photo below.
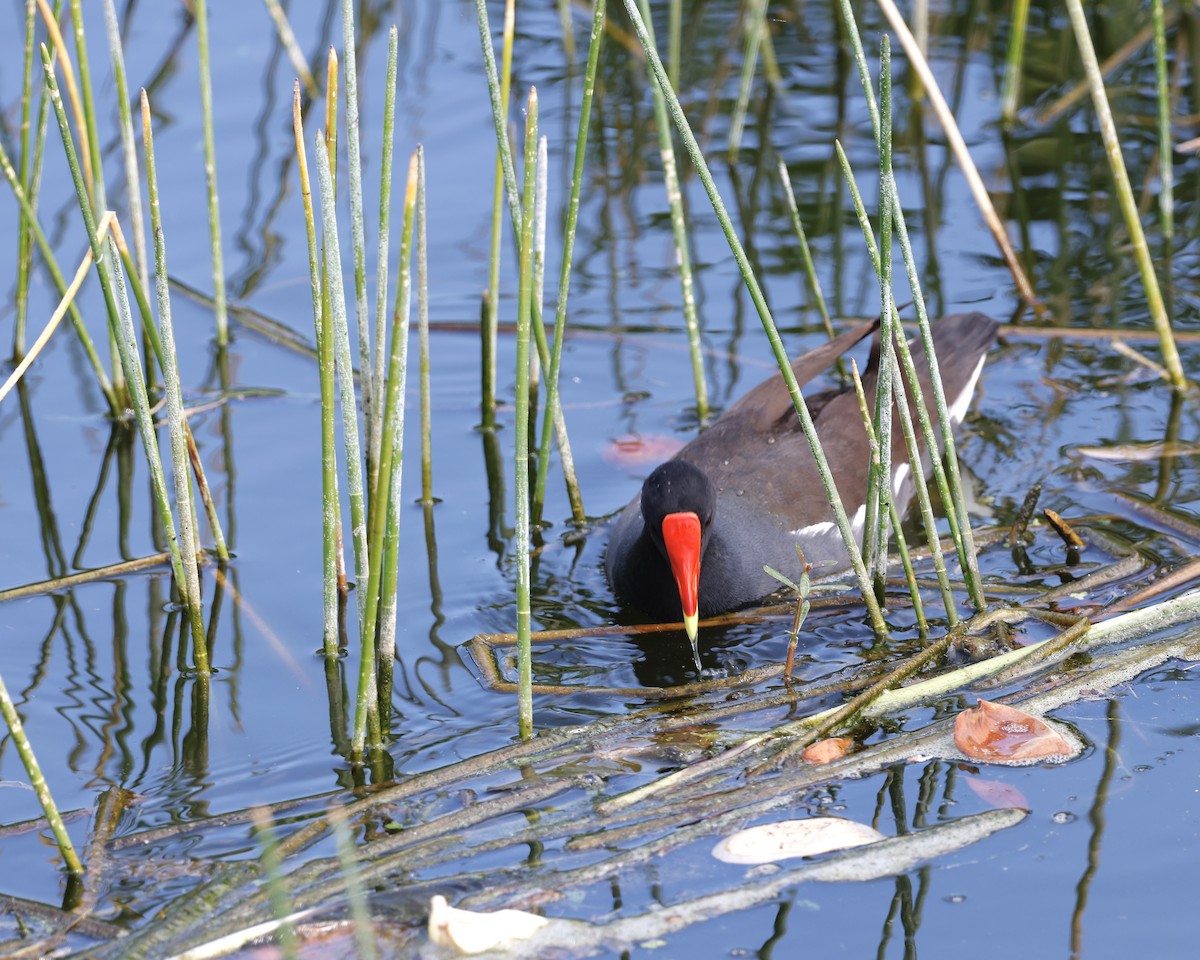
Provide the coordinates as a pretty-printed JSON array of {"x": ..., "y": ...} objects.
[{"x": 746, "y": 491}]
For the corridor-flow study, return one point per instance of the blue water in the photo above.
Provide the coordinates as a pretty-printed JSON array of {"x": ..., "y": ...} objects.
[{"x": 104, "y": 707}]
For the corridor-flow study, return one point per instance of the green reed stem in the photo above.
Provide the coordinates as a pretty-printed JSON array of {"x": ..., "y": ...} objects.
[
  {"x": 95, "y": 181},
  {"x": 127, "y": 344},
  {"x": 100, "y": 202},
  {"x": 140, "y": 270},
  {"x": 679, "y": 227},
  {"x": 685, "y": 131},
  {"x": 356, "y": 893},
  {"x": 60, "y": 283},
  {"x": 893, "y": 513},
  {"x": 568, "y": 31},
  {"x": 958, "y": 145},
  {"x": 385, "y": 508},
  {"x": 176, "y": 420},
  {"x": 272, "y": 871},
  {"x": 970, "y": 572},
  {"x": 381, "y": 261},
  {"x": 24, "y": 238},
  {"x": 948, "y": 479},
  {"x": 674, "y": 40},
  {"x": 368, "y": 387},
  {"x": 521, "y": 456},
  {"x": 1125, "y": 199},
  {"x": 423, "y": 335},
  {"x": 329, "y": 495},
  {"x": 365, "y": 703},
  {"x": 210, "y": 173},
  {"x": 754, "y": 25},
  {"x": 326, "y": 348},
  {"x": 564, "y": 287},
  {"x": 128, "y": 145},
  {"x": 541, "y": 192},
  {"x": 881, "y": 491},
  {"x": 514, "y": 209},
  {"x": 38, "y": 782},
  {"x": 1014, "y": 60},
  {"x": 810, "y": 269},
  {"x": 498, "y": 90},
  {"x": 1166, "y": 159}
]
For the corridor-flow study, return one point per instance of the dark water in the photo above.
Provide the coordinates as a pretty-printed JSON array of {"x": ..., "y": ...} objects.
[{"x": 94, "y": 672}]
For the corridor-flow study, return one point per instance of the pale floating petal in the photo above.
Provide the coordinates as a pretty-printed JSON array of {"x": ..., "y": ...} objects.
[
  {"x": 470, "y": 931},
  {"x": 997, "y": 733},
  {"x": 826, "y": 751},
  {"x": 999, "y": 796},
  {"x": 635, "y": 451},
  {"x": 793, "y": 838}
]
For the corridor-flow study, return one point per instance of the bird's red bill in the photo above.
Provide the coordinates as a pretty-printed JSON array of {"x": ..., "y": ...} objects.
[{"x": 681, "y": 534}]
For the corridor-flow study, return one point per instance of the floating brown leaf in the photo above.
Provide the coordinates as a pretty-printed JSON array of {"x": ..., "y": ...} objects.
[
  {"x": 826, "y": 751},
  {"x": 996, "y": 733},
  {"x": 793, "y": 838}
]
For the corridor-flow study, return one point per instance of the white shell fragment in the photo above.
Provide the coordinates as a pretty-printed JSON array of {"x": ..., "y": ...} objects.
[
  {"x": 470, "y": 931},
  {"x": 793, "y": 838}
]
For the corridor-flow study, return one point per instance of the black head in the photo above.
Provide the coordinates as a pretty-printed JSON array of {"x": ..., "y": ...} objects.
[{"x": 677, "y": 487}]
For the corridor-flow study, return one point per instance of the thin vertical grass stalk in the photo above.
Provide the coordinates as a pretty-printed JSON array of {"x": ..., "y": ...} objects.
[
  {"x": 356, "y": 893},
  {"x": 331, "y": 112},
  {"x": 948, "y": 480},
  {"x": 514, "y": 208},
  {"x": 325, "y": 337},
  {"x": 288, "y": 38},
  {"x": 521, "y": 456},
  {"x": 754, "y": 26},
  {"x": 498, "y": 90},
  {"x": 153, "y": 344},
  {"x": 914, "y": 591},
  {"x": 60, "y": 283},
  {"x": 89, "y": 110},
  {"x": 541, "y": 189},
  {"x": 674, "y": 40},
  {"x": 128, "y": 147},
  {"x": 326, "y": 374},
  {"x": 423, "y": 335},
  {"x": 679, "y": 228},
  {"x": 564, "y": 282},
  {"x": 568, "y": 32},
  {"x": 90, "y": 150},
  {"x": 364, "y": 704},
  {"x": 210, "y": 174},
  {"x": 810, "y": 270},
  {"x": 24, "y": 238},
  {"x": 951, "y": 505},
  {"x": 1125, "y": 199},
  {"x": 384, "y": 513},
  {"x": 959, "y": 147},
  {"x": 127, "y": 344},
  {"x": 882, "y": 492},
  {"x": 874, "y": 612},
  {"x": 269, "y": 857},
  {"x": 38, "y": 782},
  {"x": 381, "y": 256},
  {"x": 176, "y": 419},
  {"x": 358, "y": 242},
  {"x": 1014, "y": 60},
  {"x": 72, "y": 87},
  {"x": 1166, "y": 159}
]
